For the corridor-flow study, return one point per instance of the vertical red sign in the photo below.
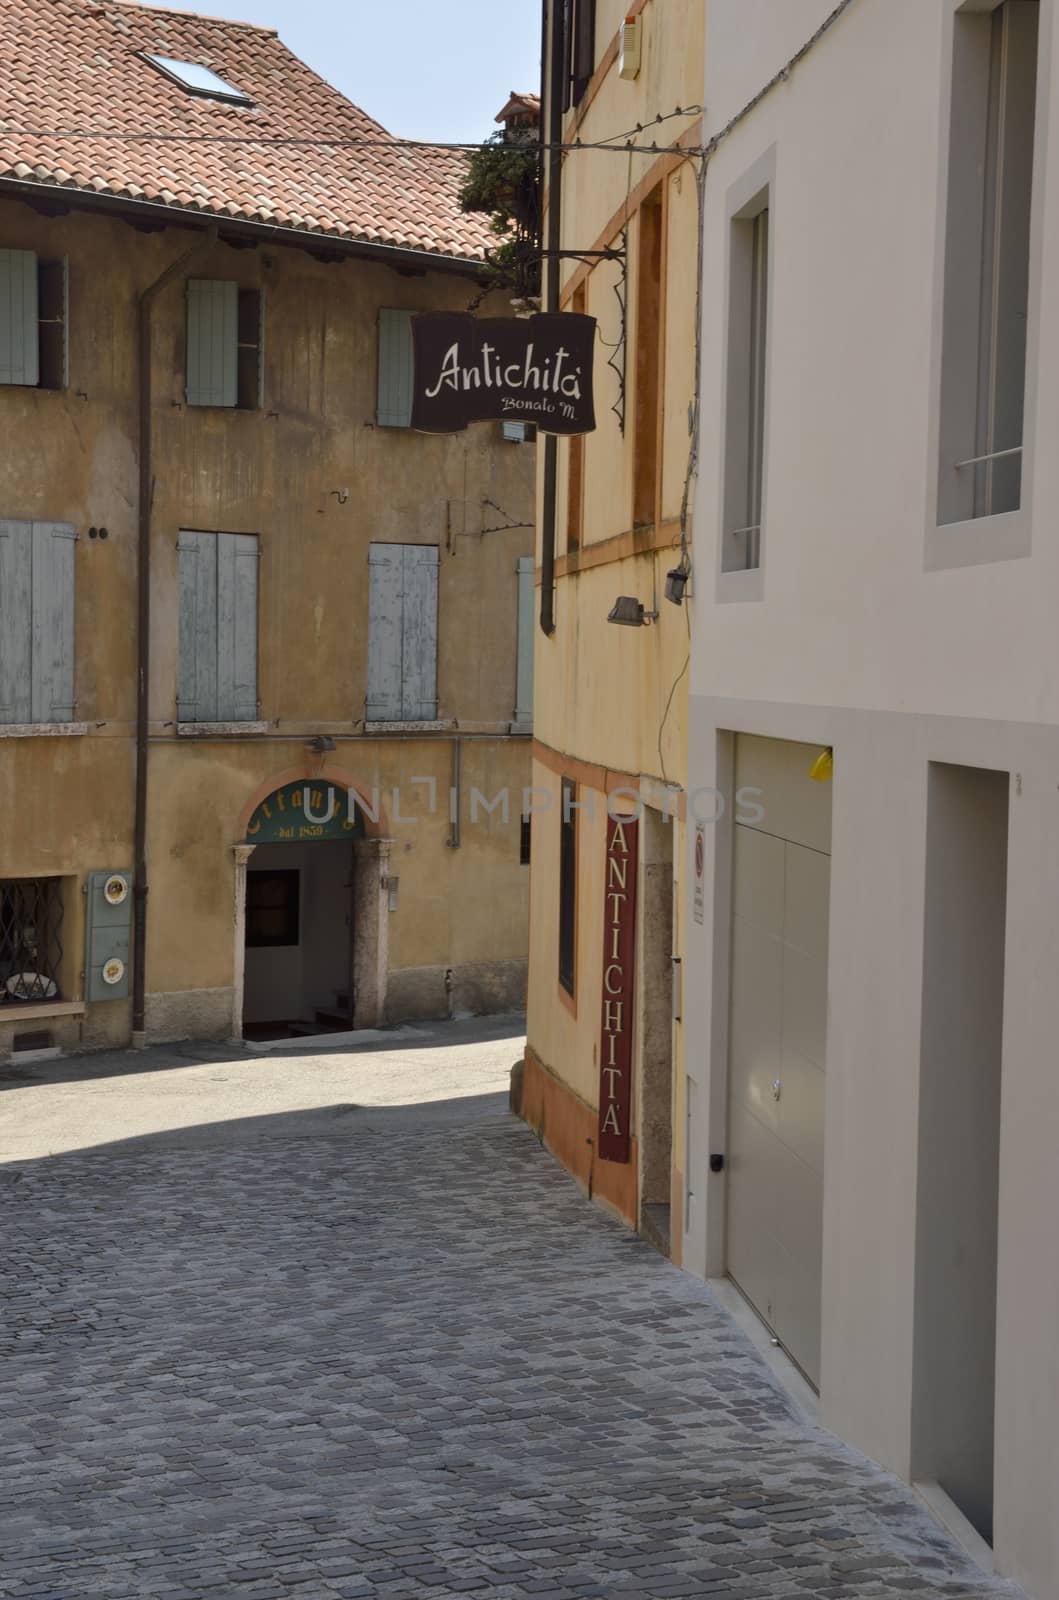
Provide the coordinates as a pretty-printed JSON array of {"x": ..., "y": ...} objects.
[{"x": 619, "y": 955}]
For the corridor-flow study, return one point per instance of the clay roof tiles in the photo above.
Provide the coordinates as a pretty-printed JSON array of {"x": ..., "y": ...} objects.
[{"x": 81, "y": 109}]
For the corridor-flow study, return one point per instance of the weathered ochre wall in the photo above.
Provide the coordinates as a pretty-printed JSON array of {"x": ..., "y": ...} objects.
[
  {"x": 612, "y": 700},
  {"x": 314, "y": 478}
]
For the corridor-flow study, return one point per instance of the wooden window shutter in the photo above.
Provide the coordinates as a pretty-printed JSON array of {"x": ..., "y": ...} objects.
[
  {"x": 526, "y": 607},
  {"x": 197, "y": 680},
  {"x": 16, "y": 621},
  {"x": 237, "y": 563},
  {"x": 386, "y": 580},
  {"x": 394, "y": 404},
  {"x": 212, "y": 342},
  {"x": 53, "y": 622},
  {"x": 19, "y": 336},
  {"x": 582, "y": 48},
  {"x": 419, "y": 649}
]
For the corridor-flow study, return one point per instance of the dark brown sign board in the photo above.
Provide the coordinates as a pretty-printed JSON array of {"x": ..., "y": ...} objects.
[
  {"x": 509, "y": 369},
  {"x": 619, "y": 956}
]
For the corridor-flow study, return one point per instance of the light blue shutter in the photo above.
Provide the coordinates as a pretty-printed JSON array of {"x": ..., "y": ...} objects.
[
  {"x": 16, "y": 621},
  {"x": 53, "y": 622},
  {"x": 394, "y": 407},
  {"x": 236, "y": 627},
  {"x": 197, "y": 682},
  {"x": 419, "y": 625},
  {"x": 19, "y": 336},
  {"x": 526, "y": 606},
  {"x": 386, "y": 580},
  {"x": 212, "y": 342}
]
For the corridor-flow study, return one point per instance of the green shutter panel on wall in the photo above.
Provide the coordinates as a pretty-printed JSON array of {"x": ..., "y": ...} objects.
[
  {"x": 394, "y": 407},
  {"x": 212, "y": 342},
  {"x": 237, "y": 557},
  {"x": 53, "y": 622},
  {"x": 526, "y": 607},
  {"x": 19, "y": 348},
  {"x": 16, "y": 621},
  {"x": 419, "y": 629},
  {"x": 386, "y": 578},
  {"x": 197, "y": 680}
]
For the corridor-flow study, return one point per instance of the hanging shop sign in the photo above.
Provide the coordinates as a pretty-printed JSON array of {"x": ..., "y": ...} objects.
[
  {"x": 619, "y": 954},
  {"x": 300, "y": 812},
  {"x": 509, "y": 369}
]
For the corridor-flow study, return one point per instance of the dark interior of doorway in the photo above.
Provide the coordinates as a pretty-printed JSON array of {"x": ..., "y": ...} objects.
[{"x": 299, "y": 940}]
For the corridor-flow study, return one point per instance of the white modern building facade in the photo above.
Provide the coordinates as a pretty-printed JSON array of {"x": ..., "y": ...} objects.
[{"x": 872, "y": 950}]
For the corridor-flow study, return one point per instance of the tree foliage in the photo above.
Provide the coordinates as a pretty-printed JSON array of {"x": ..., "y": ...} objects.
[{"x": 503, "y": 182}]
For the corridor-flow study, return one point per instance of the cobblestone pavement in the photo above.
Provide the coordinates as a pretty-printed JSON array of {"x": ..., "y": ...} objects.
[{"x": 403, "y": 1363}]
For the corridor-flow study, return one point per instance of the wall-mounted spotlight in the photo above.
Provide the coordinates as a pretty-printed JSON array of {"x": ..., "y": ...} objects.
[
  {"x": 322, "y": 743},
  {"x": 676, "y": 584},
  {"x": 629, "y": 612}
]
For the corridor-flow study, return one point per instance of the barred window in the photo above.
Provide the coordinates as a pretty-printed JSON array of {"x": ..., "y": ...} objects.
[{"x": 31, "y": 950}]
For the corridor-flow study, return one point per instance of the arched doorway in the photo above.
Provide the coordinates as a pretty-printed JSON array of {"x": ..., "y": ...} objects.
[{"x": 311, "y": 909}]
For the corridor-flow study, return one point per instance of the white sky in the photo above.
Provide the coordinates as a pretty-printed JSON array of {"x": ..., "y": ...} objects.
[{"x": 425, "y": 69}]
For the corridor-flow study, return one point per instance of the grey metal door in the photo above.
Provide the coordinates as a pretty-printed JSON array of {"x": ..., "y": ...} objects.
[{"x": 777, "y": 1041}]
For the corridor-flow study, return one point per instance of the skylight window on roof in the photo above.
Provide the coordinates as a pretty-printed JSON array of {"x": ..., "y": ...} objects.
[{"x": 198, "y": 79}]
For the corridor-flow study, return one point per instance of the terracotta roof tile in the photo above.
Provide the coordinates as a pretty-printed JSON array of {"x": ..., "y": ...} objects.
[{"x": 80, "y": 108}]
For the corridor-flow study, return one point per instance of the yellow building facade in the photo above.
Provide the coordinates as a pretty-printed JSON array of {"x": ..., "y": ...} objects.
[
  {"x": 392, "y": 892},
  {"x": 610, "y": 732}
]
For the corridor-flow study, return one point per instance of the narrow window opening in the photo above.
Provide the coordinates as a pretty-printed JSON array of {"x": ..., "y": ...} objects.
[
  {"x": 249, "y": 365},
  {"x": 648, "y": 346},
  {"x": 51, "y": 324},
  {"x": 987, "y": 260},
  {"x": 744, "y": 477},
  {"x": 568, "y": 887}
]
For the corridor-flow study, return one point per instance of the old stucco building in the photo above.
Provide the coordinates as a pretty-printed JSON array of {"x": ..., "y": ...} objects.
[
  {"x": 204, "y": 392},
  {"x": 871, "y": 1000},
  {"x": 610, "y": 736}
]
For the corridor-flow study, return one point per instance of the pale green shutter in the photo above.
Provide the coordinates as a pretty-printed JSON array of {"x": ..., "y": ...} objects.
[
  {"x": 53, "y": 622},
  {"x": 419, "y": 644},
  {"x": 197, "y": 682},
  {"x": 236, "y": 627},
  {"x": 212, "y": 342},
  {"x": 394, "y": 408},
  {"x": 385, "y": 569},
  {"x": 19, "y": 349},
  {"x": 526, "y": 606},
  {"x": 16, "y": 621}
]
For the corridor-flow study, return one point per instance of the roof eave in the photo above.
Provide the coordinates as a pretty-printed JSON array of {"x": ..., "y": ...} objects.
[{"x": 398, "y": 256}]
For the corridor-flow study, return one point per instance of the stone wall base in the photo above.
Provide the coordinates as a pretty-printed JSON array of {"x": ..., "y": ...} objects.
[
  {"x": 189, "y": 1014},
  {"x": 483, "y": 988},
  {"x": 568, "y": 1127}
]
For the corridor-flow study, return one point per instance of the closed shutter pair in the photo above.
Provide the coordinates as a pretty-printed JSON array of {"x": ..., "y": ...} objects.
[
  {"x": 218, "y": 627},
  {"x": 36, "y": 622}
]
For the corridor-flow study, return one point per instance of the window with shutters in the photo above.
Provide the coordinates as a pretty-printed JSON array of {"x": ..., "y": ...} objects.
[
  {"x": 746, "y": 386},
  {"x": 581, "y": 43},
  {"x": 985, "y": 316},
  {"x": 394, "y": 399},
  {"x": 36, "y": 622},
  {"x": 218, "y": 627},
  {"x": 225, "y": 344},
  {"x": 403, "y": 633},
  {"x": 527, "y": 594},
  {"x": 33, "y": 320}
]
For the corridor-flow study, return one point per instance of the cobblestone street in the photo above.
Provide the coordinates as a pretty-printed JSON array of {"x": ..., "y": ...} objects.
[{"x": 399, "y": 1358}]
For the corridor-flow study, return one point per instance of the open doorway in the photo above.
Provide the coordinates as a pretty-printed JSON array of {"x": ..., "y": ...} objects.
[{"x": 298, "y": 976}]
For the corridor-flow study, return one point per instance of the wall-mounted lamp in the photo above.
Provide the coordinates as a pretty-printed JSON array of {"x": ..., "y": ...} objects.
[
  {"x": 629, "y": 612},
  {"x": 676, "y": 584},
  {"x": 322, "y": 743}
]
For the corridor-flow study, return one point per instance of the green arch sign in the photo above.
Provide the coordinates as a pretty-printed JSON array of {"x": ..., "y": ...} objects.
[{"x": 302, "y": 812}]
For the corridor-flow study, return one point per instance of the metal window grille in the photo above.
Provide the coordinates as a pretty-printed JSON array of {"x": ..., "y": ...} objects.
[{"x": 31, "y": 948}]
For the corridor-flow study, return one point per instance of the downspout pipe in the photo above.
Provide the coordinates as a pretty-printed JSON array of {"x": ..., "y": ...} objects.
[
  {"x": 146, "y": 302},
  {"x": 553, "y": 50}
]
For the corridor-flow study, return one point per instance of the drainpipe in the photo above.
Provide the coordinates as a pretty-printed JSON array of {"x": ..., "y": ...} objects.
[
  {"x": 143, "y": 636},
  {"x": 553, "y": 165}
]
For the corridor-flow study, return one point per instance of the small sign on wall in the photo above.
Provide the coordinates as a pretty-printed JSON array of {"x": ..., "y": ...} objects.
[
  {"x": 507, "y": 369},
  {"x": 619, "y": 956}
]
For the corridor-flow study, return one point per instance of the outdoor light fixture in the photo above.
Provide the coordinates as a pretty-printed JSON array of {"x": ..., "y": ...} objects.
[
  {"x": 676, "y": 584},
  {"x": 321, "y": 743},
  {"x": 630, "y": 613}
]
